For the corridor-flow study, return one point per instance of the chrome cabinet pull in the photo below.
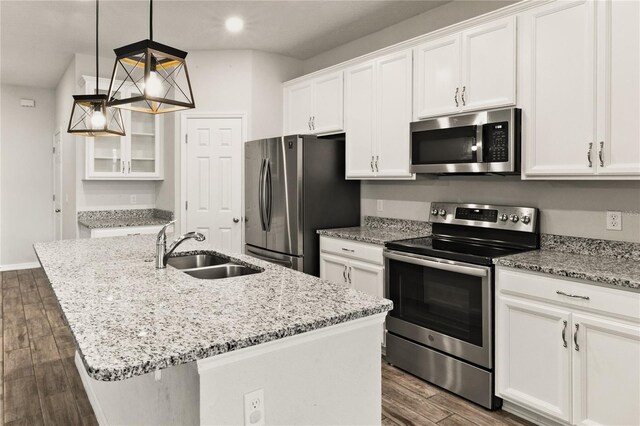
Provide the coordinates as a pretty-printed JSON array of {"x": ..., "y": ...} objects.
[
  {"x": 123, "y": 167},
  {"x": 349, "y": 275},
  {"x": 601, "y": 154},
  {"x": 344, "y": 273},
  {"x": 589, "y": 154},
  {"x": 371, "y": 164},
  {"x": 576, "y": 296},
  {"x": 464, "y": 103},
  {"x": 309, "y": 123},
  {"x": 129, "y": 166},
  {"x": 575, "y": 338},
  {"x": 347, "y": 250},
  {"x": 455, "y": 97},
  {"x": 564, "y": 334},
  {"x": 313, "y": 122},
  {"x": 377, "y": 164}
]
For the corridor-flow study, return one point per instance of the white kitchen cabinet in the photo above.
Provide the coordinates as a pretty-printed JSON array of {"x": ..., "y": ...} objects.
[
  {"x": 567, "y": 350},
  {"x": 123, "y": 231},
  {"x": 333, "y": 268},
  {"x": 579, "y": 90},
  {"x": 314, "y": 105},
  {"x": 135, "y": 156},
  {"x": 378, "y": 113},
  {"x": 471, "y": 70}
]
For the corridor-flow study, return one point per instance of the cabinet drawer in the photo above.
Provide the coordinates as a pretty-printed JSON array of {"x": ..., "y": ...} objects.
[
  {"x": 609, "y": 301},
  {"x": 352, "y": 249}
]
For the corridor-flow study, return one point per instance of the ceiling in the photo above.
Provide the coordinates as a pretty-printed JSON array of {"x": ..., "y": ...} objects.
[{"x": 39, "y": 38}]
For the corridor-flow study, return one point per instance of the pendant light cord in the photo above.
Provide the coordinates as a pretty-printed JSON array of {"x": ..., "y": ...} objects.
[
  {"x": 150, "y": 19},
  {"x": 97, "y": 56}
]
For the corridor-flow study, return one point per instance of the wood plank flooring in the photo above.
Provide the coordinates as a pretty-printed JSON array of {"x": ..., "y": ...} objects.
[{"x": 41, "y": 386}]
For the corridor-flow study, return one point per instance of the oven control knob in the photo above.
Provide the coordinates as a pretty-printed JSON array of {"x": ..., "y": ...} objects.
[
  {"x": 434, "y": 212},
  {"x": 526, "y": 219},
  {"x": 514, "y": 218},
  {"x": 504, "y": 217},
  {"x": 443, "y": 212}
]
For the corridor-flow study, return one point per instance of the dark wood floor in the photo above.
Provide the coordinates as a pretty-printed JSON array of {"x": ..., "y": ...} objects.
[{"x": 40, "y": 383}]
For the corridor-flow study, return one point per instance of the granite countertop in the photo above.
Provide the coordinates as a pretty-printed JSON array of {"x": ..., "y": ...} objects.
[
  {"x": 124, "y": 218},
  {"x": 129, "y": 319},
  {"x": 611, "y": 263},
  {"x": 377, "y": 230}
]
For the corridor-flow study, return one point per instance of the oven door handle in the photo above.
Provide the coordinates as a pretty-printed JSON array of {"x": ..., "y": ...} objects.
[{"x": 466, "y": 270}]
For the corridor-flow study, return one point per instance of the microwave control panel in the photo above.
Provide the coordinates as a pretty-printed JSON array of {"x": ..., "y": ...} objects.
[{"x": 496, "y": 141}]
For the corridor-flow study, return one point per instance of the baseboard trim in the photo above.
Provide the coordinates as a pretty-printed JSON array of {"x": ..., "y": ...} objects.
[
  {"x": 529, "y": 415},
  {"x": 19, "y": 266}
]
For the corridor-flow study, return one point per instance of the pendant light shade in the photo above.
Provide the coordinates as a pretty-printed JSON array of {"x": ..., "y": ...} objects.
[
  {"x": 150, "y": 77},
  {"x": 90, "y": 115}
]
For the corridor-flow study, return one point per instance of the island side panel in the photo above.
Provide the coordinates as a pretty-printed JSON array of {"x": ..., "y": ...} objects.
[{"x": 326, "y": 376}]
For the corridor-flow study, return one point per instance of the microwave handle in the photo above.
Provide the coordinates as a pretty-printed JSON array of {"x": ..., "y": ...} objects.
[
  {"x": 479, "y": 144},
  {"x": 466, "y": 270}
]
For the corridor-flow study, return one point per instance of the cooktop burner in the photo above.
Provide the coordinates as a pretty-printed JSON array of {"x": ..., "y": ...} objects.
[{"x": 464, "y": 251}]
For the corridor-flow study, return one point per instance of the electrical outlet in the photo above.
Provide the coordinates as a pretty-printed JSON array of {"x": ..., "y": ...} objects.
[
  {"x": 380, "y": 206},
  {"x": 614, "y": 221},
  {"x": 134, "y": 199},
  {"x": 254, "y": 408}
]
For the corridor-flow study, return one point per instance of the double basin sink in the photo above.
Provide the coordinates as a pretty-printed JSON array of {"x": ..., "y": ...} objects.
[{"x": 207, "y": 266}]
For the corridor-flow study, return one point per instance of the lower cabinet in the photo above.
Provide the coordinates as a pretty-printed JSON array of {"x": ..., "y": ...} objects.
[
  {"x": 353, "y": 264},
  {"x": 566, "y": 350},
  {"x": 121, "y": 231}
]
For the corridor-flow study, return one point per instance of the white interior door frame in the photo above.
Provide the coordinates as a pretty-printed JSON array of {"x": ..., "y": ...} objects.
[
  {"x": 57, "y": 192},
  {"x": 185, "y": 116}
]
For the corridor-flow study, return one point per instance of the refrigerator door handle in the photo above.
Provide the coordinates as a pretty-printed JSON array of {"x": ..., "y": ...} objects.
[
  {"x": 261, "y": 195},
  {"x": 269, "y": 197},
  {"x": 285, "y": 263}
]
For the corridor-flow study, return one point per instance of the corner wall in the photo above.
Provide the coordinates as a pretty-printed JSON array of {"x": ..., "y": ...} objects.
[{"x": 26, "y": 173}]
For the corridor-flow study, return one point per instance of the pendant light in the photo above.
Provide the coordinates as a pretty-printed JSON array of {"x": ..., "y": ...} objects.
[
  {"x": 150, "y": 77},
  {"x": 90, "y": 115}
]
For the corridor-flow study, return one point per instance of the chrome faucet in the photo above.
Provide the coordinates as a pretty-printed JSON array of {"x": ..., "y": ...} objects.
[{"x": 162, "y": 254}]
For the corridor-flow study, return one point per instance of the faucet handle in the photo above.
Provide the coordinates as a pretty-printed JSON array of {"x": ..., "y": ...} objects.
[{"x": 162, "y": 234}]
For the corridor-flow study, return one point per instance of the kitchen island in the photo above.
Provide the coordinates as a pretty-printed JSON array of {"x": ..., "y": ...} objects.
[{"x": 162, "y": 347}]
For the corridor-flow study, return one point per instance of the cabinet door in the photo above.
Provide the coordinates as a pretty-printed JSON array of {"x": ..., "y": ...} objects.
[
  {"x": 533, "y": 367},
  {"x": 606, "y": 372},
  {"x": 489, "y": 65},
  {"x": 366, "y": 277},
  {"x": 393, "y": 89},
  {"x": 143, "y": 148},
  {"x": 557, "y": 88},
  {"x": 328, "y": 104},
  {"x": 359, "y": 111},
  {"x": 297, "y": 108},
  {"x": 437, "y": 77},
  {"x": 619, "y": 76},
  {"x": 333, "y": 268}
]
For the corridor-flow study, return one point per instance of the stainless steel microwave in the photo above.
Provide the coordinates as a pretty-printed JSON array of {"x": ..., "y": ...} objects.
[{"x": 479, "y": 142}]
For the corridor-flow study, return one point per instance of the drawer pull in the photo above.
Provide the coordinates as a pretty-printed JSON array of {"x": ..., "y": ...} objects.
[
  {"x": 575, "y": 338},
  {"x": 344, "y": 273},
  {"x": 576, "y": 296},
  {"x": 564, "y": 334},
  {"x": 348, "y": 250},
  {"x": 349, "y": 275}
]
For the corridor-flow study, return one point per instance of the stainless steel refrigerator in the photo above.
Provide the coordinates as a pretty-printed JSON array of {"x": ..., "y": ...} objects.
[{"x": 295, "y": 185}]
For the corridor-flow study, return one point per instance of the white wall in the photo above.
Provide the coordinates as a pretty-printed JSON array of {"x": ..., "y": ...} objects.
[
  {"x": 26, "y": 172},
  {"x": 567, "y": 207},
  {"x": 440, "y": 17}
]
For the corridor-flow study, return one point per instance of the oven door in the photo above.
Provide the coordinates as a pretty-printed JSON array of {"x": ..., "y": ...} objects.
[{"x": 442, "y": 304}]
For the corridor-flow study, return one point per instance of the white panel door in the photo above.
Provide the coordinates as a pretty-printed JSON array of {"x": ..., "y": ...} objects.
[
  {"x": 214, "y": 176},
  {"x": 57, "y": 187},
  {"x": 437, "y": 77},
  {"x": 298, "y": 100},
  {"x": 619, "y": 74},
  {"x": 328, "y": 105},
  {"x": 606, "y": 372},
  {"x": 489, "y": 65},
  {"x": 557, "y": 59},
  {"x": 533, "y": 365},
  {"x": 393, "y": 88},
  {"x": 333, "y": 268},
  {"x": 360, "y": 104}
]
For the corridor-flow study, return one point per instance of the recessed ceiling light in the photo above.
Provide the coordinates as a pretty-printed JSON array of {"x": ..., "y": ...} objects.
[{"x": 234, "y": 24}]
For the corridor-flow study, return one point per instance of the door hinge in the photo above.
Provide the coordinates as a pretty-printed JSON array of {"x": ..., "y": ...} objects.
[
  {"x": 54, "y": 197},
  {"x": 186, "y": 205},
  {"x": 54, "y": 149},
  {"x": 186, "y": 138}
]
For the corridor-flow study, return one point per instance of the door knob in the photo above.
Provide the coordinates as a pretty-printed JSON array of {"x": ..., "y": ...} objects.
[
  {"x": 236, "y": 220},
  {"x": 57, "y": 210}
]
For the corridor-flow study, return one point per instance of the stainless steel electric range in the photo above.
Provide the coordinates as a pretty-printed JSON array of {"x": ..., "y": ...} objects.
[{"x": 442, "y": 287}]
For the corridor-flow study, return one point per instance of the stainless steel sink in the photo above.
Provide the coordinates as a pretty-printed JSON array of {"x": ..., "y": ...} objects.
[
  {"x": 221, "y": 271},
  {"x": 193, "y": 261}
]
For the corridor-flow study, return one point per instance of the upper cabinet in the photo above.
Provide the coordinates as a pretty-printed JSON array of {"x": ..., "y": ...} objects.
[
  {"x": 314, "y": 105},
  {"x": 579, "y": 90},
  {"x": 470, "y": 70},
  {"x": 135, "y": 156},
  {"x": 378, "y": 113}
]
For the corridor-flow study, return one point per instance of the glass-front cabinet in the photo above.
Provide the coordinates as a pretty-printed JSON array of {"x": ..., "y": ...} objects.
[{"x": 135, "y": 156}]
